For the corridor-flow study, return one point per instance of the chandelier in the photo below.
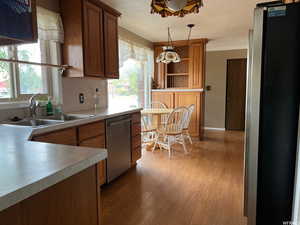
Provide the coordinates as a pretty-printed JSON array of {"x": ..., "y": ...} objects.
[
  {"x": 175, "y": 7},
  {"x": 169, "y": 54}
]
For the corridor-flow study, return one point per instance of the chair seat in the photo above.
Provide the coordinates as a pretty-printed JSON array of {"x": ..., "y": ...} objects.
[{"x": 163, "y": 131}]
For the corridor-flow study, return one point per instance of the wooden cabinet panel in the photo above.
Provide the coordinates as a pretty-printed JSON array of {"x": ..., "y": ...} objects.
[
  {"x": 91, "y": 130},
  {"x": 136, "y": 154},
  {"x": 197, "y": 66},
  {"x": 136, "y": 117},
  {"x": 165, "y": 97},
  {"x": 97, "y": 142},
  {"x": 136, "y": 129},
  {"x": 73, "y": 201},
  {"x": 111, "y": 46},
  {"x": 93, "y": 40},
  {"x": 159, "y": 68},
  {"x": 64, "y": 137},
  {"x": 186, "y": 99}
]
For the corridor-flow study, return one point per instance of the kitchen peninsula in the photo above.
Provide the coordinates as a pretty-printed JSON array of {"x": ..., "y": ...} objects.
[{"x": 54, "y": 182}]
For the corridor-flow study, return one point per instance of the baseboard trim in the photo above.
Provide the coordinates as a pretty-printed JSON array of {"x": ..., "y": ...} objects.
[{"x": 214, "y": 128}]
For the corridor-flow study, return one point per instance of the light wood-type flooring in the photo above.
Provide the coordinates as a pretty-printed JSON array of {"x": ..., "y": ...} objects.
[{"x": 202, "y": 188}]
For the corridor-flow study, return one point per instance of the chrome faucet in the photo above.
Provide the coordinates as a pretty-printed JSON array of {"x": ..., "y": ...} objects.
[{"x": 33, "y": 105}]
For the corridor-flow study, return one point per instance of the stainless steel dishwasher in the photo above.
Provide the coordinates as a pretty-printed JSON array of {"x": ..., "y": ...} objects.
[{"x": 118, "y": 139}]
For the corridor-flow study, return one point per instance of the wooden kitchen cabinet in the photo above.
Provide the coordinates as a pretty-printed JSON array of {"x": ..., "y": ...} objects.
[
  {"x": 75, "y": 201},
  {"x": 164, "y": 97},
  {"x": 65, "y": 137},
  {"x": 93, "y": 135},
  {"x": 91, "y": 39},
  {"x": 136, "y": 141},
  {"x": 111, "y": 46},
  {"x": 186, "y": 99},
  {"x": 187, "y": 74}
]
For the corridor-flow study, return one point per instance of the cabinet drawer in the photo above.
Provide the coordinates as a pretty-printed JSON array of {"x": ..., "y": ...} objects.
[
  {"x": 136, "y": 141},
  {"x": 136, "y": 117},
  {"x": 95, "y": 142},
  {"x": 91, "y": 130},
  {"x": 64, "y": 137},
  {"x": 136, "y": 129}
]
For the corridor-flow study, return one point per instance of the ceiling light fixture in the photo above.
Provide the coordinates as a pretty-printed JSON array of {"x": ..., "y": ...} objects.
[
  {"x": 175, "y": 7},
  {"x": 169, "y": 54}
]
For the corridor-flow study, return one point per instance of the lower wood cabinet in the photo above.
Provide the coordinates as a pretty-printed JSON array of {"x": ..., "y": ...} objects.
[
  {"x": 186, "y": 98},
  {"x": 64, "y": 137},
  {"x": 136, "y": 142},
  {"x": 75, "y": 201},
  {"x": 97, "y": 142}
]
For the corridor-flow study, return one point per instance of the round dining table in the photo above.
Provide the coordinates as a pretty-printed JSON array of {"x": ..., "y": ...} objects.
[{"x": 156, "y": 115}]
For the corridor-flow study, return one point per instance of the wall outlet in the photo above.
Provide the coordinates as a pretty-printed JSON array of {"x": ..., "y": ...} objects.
[{"x": 81, "y": 98}]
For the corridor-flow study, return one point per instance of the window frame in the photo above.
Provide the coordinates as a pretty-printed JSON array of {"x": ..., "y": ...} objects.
[{"x": 15, "y": 94}]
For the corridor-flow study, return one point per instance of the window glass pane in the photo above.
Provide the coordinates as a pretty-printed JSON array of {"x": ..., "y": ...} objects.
[
  {"x": 5, "y": 81},
  {"x": 30, "y": 76},
  {"x": 129, "y": 89}
]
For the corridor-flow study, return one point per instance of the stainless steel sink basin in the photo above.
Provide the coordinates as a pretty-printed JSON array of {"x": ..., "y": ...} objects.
[
  {"x": 35, "y": 123},
  {"x": 69, "y": 117}
]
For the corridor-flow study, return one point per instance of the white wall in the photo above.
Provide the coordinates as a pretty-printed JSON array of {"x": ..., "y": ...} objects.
[{"x": 216, "y": 73}]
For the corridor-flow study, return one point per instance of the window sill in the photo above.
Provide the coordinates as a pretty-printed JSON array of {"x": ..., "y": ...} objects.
[{"x": 13, "y": 105}]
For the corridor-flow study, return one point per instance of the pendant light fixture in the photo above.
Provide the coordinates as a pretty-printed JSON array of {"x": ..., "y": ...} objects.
[
  {"x": 169, "y": 54},
  {"x": 175, "y": 7}
]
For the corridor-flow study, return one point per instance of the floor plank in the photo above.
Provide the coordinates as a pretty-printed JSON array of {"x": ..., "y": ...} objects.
[{"x": 202, "y": 188}]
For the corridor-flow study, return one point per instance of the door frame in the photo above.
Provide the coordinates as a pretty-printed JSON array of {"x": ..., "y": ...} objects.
[{"x": 226, "y": 107}]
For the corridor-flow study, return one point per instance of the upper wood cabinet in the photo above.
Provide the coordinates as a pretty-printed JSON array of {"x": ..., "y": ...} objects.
[
  {"x": 189, "y": 73},
  {"x": 91, "y": 39},
  {"x": 111, "y": 45}
]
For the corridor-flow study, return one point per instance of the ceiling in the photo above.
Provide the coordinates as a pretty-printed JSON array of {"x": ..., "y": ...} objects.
[{"x": 224, "y": 22}]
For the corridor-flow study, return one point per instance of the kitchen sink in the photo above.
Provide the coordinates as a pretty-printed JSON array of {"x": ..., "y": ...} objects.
[
  {"x": 69, "y": 117},
  {"x": 35, "y": 122}
]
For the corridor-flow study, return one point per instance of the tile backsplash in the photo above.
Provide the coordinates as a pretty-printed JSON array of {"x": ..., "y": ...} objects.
[
  {"x": 72, "y": 87},
  {"x": 6, "y": 114}
]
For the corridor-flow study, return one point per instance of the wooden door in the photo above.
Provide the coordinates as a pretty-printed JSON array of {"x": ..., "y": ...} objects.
[
  {"x": 164, "y": 97},
  {"x": 159, "y": 69},
  {"x": 197, "y": 66},
  {"x": 236, "y": 94},
  {"x": 186, "y": 99},
  {"x": 111, "y": 46},
  {"x": 93, "y": 40}
]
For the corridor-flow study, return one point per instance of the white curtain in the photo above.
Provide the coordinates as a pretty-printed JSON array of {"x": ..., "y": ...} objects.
[{"x": 50, "y": 27}]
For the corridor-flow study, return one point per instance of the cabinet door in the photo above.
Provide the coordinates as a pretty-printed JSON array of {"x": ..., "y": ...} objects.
[
  {"x": 93, "y": 40},
  {"x": 63, "y": 137},
  {"x": 186, "y": 99},
  {"x": 197, "y": 66},
  {"x": 111, "y": 46},
  {"x": 159, "y": 69},
  {"x": 97, "y": 142},
  {"x": 164, "y": 97}
]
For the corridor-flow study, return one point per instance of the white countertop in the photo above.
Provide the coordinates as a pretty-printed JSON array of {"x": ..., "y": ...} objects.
[
  {"x": 27, "y": 168},
  {"x": 178, "y": 90}
]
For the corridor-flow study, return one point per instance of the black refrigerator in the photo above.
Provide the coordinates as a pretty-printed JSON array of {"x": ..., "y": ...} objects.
[{"x": 272, "y": 114}]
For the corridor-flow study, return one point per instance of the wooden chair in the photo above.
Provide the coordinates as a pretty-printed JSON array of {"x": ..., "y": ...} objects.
[
  {"x": 172, "y": 131},
  {"x": 185, "y": 131},
  {"x": 160, "y": 105}
]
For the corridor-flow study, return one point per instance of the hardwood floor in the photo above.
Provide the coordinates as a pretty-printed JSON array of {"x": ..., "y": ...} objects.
[{"x": 202, "y": 188}]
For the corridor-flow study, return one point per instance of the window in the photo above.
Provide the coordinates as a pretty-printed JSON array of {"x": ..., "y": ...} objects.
[
  {"x": 133, "y": 87},
  {"x": 19, "y": 80}
]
